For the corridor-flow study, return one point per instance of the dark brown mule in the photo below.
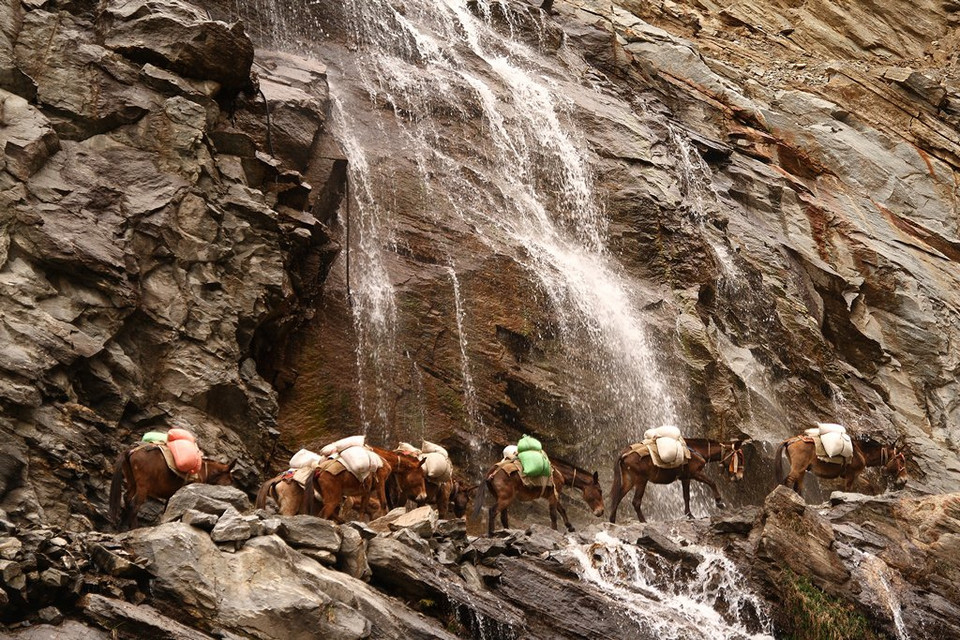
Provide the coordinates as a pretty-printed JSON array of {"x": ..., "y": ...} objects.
[
  {"x": 729, "y": 454},
  {"x": 506, "y": 488},
  {"x": 142, "y": 473},
  {"x": 634, "y": 472},
  {"x": 587, "y": 483},
  {"x": 802, "y": 453},
  {"x": 460, "y": 495},
  {"x": 333, "y": 488}
]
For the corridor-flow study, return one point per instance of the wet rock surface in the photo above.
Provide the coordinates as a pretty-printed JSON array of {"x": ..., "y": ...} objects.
[
  {"x": 874, "y": 562},
  {"x": 168, "y": 219}
]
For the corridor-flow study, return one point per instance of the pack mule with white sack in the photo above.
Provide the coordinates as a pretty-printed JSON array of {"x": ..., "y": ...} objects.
[
  {"x": 829, "y": 452},
  {"x": 438, "y": 473},
  {"x": 286, "y": 489},
  {"x": 661, "y": 457},
  {"x": 348, "y": 468}
]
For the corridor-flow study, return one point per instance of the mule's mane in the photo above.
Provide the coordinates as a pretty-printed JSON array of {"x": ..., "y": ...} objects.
[{"x": 578, "y": 475}]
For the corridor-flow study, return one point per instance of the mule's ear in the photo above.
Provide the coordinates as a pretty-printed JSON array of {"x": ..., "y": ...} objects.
[
  {"x": 596, "y": 477},
  {"x": 422, "y": 460},
  {"x": 232, "y": 464}
]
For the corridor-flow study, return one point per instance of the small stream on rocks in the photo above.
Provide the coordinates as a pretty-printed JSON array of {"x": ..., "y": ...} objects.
[{"x": 667, "y": 596}]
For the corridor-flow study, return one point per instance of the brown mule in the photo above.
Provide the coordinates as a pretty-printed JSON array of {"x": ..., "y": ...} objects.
[
  {"x": 587, "y": 483},
  {"x": 406, "y": 480},
  {"x": 142, "y": 473},
  {"x": 334, "y": 487},
  {"x": 509, "y": 487},
  {"x": 633, "y": 471},
  {"x": 460, "y": 495},
  {"x": 286, "y": 492},
  {"x": 802, "y": 454}
]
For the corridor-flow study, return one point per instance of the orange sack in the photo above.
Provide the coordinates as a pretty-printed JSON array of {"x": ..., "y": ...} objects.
[
  {"x": 179, "y": 434},
  {"x": 186, "y": 455}
]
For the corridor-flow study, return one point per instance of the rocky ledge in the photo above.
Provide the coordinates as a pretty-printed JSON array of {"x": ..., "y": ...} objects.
[{"x": 875, "y": 566}]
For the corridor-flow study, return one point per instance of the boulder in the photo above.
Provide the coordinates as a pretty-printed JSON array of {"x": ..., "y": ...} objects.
[
  {"x": 26, "y": 136},
  {"x": 311, "y": 532},
  {"x": 789, "y": 534},
  {"x": 421, "y": 521},
  {"x": 135, "y": 620},
  {"x": 179, "y": 37},
  {"x": 206, "y": 498}
]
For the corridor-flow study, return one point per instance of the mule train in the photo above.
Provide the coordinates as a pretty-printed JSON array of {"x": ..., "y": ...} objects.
[{"x": 350, "y": 475}]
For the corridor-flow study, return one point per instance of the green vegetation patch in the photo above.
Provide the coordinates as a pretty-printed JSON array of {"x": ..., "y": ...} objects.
[{"x": 811, "y": 614}]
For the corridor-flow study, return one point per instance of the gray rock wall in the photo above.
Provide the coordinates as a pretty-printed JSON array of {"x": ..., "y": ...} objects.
[{"x": 154, "y": 252}]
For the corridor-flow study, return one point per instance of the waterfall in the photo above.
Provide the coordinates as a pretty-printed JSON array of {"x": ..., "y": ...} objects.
[
  {"x": 469, "y": 392},
  {"x": 671, "y": 598},
  {"x": 523, "y": 187},
  {"x": 373, "y": 300}
]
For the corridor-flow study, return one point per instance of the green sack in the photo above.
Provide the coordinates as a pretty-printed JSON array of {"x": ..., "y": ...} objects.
[
  {"x": 528, "y": 443},
  {"x": 535, "y": 463},
  {"x": 154, "y": 436}
]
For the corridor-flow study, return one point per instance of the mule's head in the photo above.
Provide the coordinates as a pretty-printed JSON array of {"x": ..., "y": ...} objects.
[
  {"x": 896, "y": 467},
  {"x": 593, "y": 495},
  {"x": 219, "y": 472},
  {"x": 412, "y": 478},
  {"x": 734, "y": 460},
  {"x": 460, "y": 498}
]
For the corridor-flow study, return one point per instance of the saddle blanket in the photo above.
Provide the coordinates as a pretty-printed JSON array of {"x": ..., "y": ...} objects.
[
  {"x": 300, "y": 475},
  {"x": 514, "y": 466},
  {"x": 665, "y": 452}
]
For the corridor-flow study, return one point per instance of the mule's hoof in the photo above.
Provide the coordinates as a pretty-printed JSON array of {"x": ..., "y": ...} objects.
[
  {"x": 570, "y": 528},
  {"x": 721, "y": 505}
]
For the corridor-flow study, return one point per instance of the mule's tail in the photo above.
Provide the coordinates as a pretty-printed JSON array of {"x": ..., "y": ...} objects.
[
  {"x": 778, "y": 462},
  {"x": 266, "y": 491},
  {"x": 307, "y": 506},
  {"x": 616, "y": 490},
  {"x": 479, "y": 499},
  {"x": 116, "y": 486}
]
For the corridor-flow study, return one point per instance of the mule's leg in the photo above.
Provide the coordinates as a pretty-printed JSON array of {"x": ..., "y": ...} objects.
[
  {"x": 552, "y": 502},
  {"x": 443, "y": 499},
  {"x": 638, "y": 498},
  {"x": 700, "y": 476},
  {"x": 685, "y": 483},
  {"x": 563, "y": 514},
  {"x": 331, "y": 493},
  {"x": 504, "y": 518},
  {"x": 622, "y": 483}
]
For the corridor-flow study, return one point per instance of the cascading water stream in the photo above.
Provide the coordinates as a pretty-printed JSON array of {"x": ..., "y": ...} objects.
[
  {"x": 671, "y": 599},
  {"x": 469, "y": 392},
  {"x": 525, "y": 189}
]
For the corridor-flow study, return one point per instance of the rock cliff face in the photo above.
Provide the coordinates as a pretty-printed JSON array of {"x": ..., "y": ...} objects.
[
  {"x": 768, "y": 197},
  {"x": 158, "y": 240},
  {"x": 779, "y": 184}
]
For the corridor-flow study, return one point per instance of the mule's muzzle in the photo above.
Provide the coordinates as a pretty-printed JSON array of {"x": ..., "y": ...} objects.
[
  {"x": 598, "y": 512},
  {"x": 421, "y": 498}
]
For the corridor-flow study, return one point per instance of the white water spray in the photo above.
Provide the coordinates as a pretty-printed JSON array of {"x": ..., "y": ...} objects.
[{"x": 676, "y": 602}]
